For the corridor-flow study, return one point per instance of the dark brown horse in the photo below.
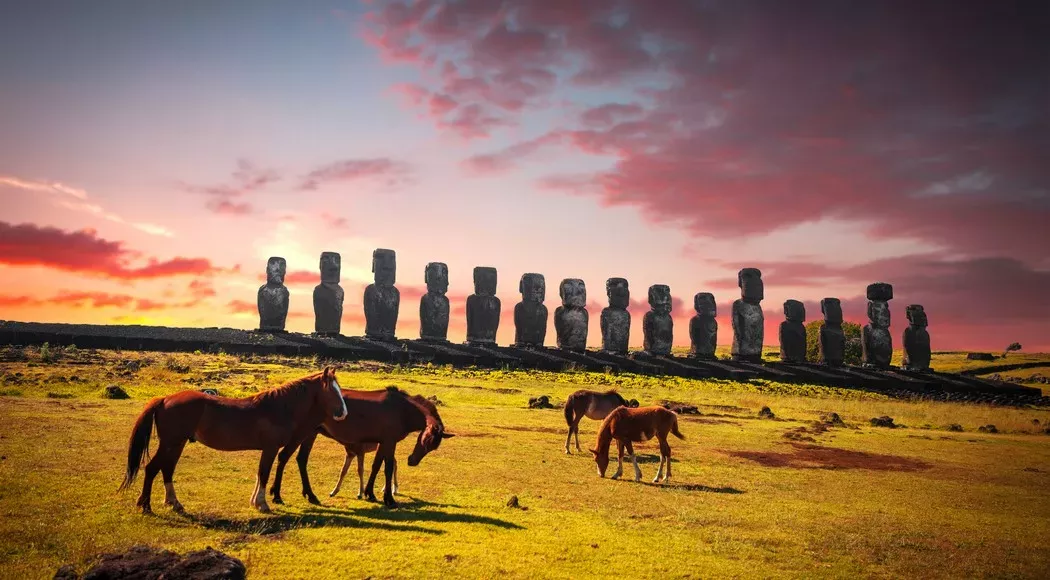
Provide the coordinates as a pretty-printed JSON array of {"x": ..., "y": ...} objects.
[
  {"x": 591, "y": 404},
  {"x": 276, "y": 418},
  {"x": 627, "y": 425},
  {"x": 384, "y": 417}
]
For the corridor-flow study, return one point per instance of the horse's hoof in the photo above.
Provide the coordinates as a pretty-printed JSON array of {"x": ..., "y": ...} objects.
[
  {"x": 264, "y": 509},
  {"x": 313, "y": 500},
  {"x": 146, "y": 510},
  {"x": 333, "y": 494},
  {"x": 372, "y": 498},
  {"x": 392, "y": 504},
  {"x": 277, "y": 500}
]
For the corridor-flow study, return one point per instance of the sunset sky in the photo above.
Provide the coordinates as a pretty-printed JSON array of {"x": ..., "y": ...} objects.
[{"x": 153, "y": 155}]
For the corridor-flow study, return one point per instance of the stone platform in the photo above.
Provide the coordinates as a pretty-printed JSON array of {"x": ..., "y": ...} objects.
[{"x": 893, "y": 381}]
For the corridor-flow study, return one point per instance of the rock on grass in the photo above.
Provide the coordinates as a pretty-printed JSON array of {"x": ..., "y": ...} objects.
[
  {"x": 115, "y": 392},
  {"x": 883, "y": 421},
  {"x": 987, "y": 429},
  {"x": 143, "y": 561},
  {"x": 766, "y": 413},
  {"x": 540, "y": 402}
]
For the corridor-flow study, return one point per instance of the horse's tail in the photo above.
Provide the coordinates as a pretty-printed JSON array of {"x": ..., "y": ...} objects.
[
  {"x": 568, "y": 410},
  {"x": 674, "y": 429},
  {"x": 138, "y": 446}
]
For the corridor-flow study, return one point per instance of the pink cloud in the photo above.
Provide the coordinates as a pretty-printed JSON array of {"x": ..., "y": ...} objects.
[{"x": 390, "y": 171}]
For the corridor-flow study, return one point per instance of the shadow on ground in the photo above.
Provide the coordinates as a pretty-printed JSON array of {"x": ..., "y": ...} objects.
[
  {"x": 277, "y": 524},
  {"x": 818, "y": 457}
]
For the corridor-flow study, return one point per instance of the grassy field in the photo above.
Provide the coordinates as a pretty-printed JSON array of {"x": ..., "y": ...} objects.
[{"x": 750, "y": 497}]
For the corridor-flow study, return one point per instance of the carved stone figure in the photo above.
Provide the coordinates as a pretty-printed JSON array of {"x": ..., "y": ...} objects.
[
  {"x": 876, "y": 342},
  {"x": 916, "y": 339},
  {"x": 657, "y": 325},
  {"x": 571, "y": 318},
  {"x": 616, "y": 320},
  {"x": 703, "y": 328},
  {"x": 382, "y": 299},
  {"x": 433, "y": 306},
  {"x": 748, "y": 320},
  {"x": 328, "y": 296},
  {"x": 530, "y": 315},
  {"x": 273, "y": 297},
  {"x": 483, "y": 308},
  {"x": 793, "y": 332},
  {"x": 832, "y": 337}
]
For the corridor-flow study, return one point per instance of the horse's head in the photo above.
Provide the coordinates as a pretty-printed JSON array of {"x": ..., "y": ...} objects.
[
  {"x": 602, "y": 459},
  {"x": 429, "y": 439},
  {"x": 331, "y": 395}
]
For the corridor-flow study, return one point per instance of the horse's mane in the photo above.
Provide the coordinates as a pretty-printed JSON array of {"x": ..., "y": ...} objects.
[{"x": 291, "y": 388}]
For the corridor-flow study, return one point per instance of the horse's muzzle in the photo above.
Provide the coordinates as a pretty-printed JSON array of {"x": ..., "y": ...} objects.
[{"x": 340, "y": 417}]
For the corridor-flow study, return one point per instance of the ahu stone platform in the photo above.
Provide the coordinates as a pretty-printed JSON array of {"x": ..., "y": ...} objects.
[{"x": 891, "y": 381}]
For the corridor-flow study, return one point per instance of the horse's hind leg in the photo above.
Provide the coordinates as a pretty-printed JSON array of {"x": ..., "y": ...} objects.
[
  {"x": 342, "y": 473},
  {"x": 147, "y": 481},
  {"x": 265, "y": 465},
  {"x": 619, "y": 460},
  {"x": 665, "y": 449},
  {"x": 302, "y": 458},
  {"x": 388, "y": 489},
  {"x": 167, "y": 468},
  {"x": 370, "y": 487},
  {"x": 361, "y": 474},
  {"x": 278, "y": 476}
]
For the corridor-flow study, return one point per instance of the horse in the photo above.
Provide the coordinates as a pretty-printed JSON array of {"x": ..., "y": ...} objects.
[
  {"x": 384, "y": 417},
  {"x": 279, "y": 417},
  {"x": 591, "y": 404},
  {"x": 627, "y": 425}
]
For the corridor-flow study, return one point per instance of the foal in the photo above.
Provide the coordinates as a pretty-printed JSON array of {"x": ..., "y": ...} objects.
[
  {"x": 627, "y": 425},
  {"x": 279, "y": 417},
  {"x": 591, "y": 404}
]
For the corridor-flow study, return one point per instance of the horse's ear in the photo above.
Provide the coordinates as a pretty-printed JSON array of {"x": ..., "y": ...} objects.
[{"x": 328, "y": 372}]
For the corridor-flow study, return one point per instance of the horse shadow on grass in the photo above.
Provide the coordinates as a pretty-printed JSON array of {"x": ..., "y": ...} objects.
[
  {"x": 280, "y": 523},
  {"x": 411, "y": 511}
]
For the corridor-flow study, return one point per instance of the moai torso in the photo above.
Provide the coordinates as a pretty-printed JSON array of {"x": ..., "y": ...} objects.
[
  {"x": 433, "y": 306},
  {"x": 657, "y": 324},
  {"x": 916, "y": 339},
  {"x": 748, "y": 321},
  {"x": 571, "y": 318},
  {"x": 530, "y": 315},
  {"x": 273, "y": 297},
  {"x": 616, "y": 320},
  {"x": 328, "y": 296},
  {"x": 703, "y": 328},
  {"x": 832, "y": 338},
  {"x": 382, "y": 299},
  {"x": 793, "y": 333},
  {"x": 876, "y": 342},
  {"x": 483, "y": 308}
]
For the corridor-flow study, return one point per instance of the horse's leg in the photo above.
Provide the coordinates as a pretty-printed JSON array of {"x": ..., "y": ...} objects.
[
  {"x": 634, "y": 461},
  {"x": 282, "y": 460},
  {"x": 147, "y": 481},
  {"x": 370, "y": 487},
  {"x": 619, "y": 460},
  {"x": 302, "y": 458},
  {"x": 660, "y": 473},
  {"x": 568, "y": 439},
  {"x": 395, "y": 477},
  {"x": 265, "y": 465},
  {"x": 361, "y": 474},
  {"x": 665, "y": 450},
  {"x": 167, "y": 468},
  {"x": 342, "y": 473},
  {"x": 388, "y": 489}
]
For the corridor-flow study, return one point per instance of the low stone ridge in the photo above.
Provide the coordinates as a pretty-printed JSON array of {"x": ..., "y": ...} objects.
[
  {"x": 980, "y": 356},
  {"x": 540, "y": 402},
  {"x": 143, "y": 562}
]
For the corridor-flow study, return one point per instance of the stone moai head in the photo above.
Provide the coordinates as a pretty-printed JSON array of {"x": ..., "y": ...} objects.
[
  {"x": 573, "y": 293},
  {"x": 660, "y": 298},
  {"x": 275, "y": 270},
  {"x": 618, "y": 291},
  {"x": 331, "y": 263},
  {"x": 704, "y": 304},
  {"x": 878, "y": 308},
  {"x": 384, "y": 266},
  {"x": 533, "y": 288},
  {"x": 436, "y": 277},
  {"x": 880, "y": 291},
  {"x": 794, "y": 311},
  {"x": 831, "y": 308},
  {"x": 484, "y": 281},
  {"x": 916, "y": 315},
  {"x": 751, "y": 288}
]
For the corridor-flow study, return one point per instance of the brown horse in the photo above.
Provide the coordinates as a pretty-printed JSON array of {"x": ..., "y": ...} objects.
[
  {"x": 276, "y": 418},
  {"x": 627, "y": 425},
  {"x": 591, "y": 404},
  {"x": 384, "y": 417}
]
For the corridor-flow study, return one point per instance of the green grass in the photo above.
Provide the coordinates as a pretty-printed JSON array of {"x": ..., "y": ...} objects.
[{"x": 744, "y": 501}]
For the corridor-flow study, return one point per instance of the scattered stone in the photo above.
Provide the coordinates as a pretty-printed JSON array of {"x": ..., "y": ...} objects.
[
  {"x": 1035, "y": 421},
  {"x": 133, "y": 366},
  {"x": 211, "y": 392},
  {"x": 980, "y": 356},
  {"x": 883, "y": 421},
  {"x": 115, "y": 392},
  {"x": 680, "y": 408},
  {"x": 146, "y": 562},
  {"x": 832, "y": 419},
  {"x": 207, "y": 564},
  {"x": 450, "y": 557},
  {"x": 987, "y": 429},
  {"x": 955, "y": 427},
  {"x": 766, "y": 413},
  {"x": 513, "y": 502},
  {"x": 540, "y": 402},
  {"x": 799, "y": 434}
]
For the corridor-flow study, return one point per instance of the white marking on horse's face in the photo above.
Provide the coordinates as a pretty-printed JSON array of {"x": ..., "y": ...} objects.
[{"x": 339, "y": 392}]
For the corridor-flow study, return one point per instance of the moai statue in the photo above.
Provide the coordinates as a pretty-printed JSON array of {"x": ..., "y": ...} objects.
[
  {"x": 657, "y": 325},
  {"x": 530, "y": 315},
  {"x": 876, "y": 342},
  {"x": 832, "y": 338},
  {"x": 433, "y": 306},
  {"x": 382, "y": 299},
  {"x": 273, "y": 297},
  {"x": 483, "y": 308},
  {"x": 793, "y": 333},
  {"x": 703, "y": 328},
  {"x": 748, "y": 321},
  {"x": 328, "y": 296},
  {"x": 616, "y": 320},
  {"x": 916, "y": 339},
  {"x": 571, "y": 318}
]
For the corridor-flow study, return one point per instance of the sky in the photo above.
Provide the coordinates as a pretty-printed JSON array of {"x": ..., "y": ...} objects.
[{"x": 153, "y": 155}]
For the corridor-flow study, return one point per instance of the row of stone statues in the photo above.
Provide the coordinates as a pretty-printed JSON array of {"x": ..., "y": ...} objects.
[{"x": 571, "y": 319}]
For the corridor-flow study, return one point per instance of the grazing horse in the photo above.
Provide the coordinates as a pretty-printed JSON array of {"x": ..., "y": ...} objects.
[
  {"x": 591, "y": 404},
  {"x": 627, "y": 425},
  {"x": 384, "y": 417},
  {"x": 279, "y": 417}
]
